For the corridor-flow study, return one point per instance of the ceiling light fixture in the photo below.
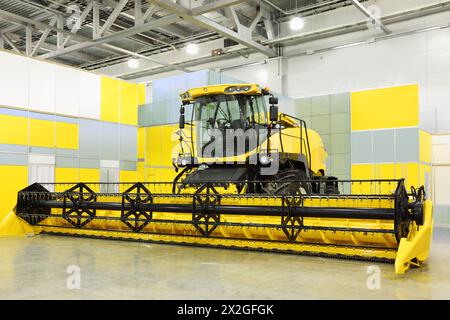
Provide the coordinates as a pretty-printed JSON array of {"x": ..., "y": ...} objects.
[
  {"x": 133, "y": 63},
  {"x": 192, "y": 48},
  {"x": 296, "y": 23}
]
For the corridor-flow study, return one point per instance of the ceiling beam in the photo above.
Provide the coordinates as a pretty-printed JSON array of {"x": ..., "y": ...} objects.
[
  {"x": 11, "y": 17},
  {"x": 43, "y": 38},
  {"x": 214, "y": 6},
  {"x": 206, "y": 23},
  {"x": 113, "y": 16},
  {"x": 6, "y": 38},
  {"x": 366, "y": 12},
  {"x": 114, "y": 36},
  {"x": 144, "y": 57}
]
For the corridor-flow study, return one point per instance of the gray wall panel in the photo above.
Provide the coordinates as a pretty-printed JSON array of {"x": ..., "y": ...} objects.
[
  {"x": 13, "y": 159},
  {"x": 66, "y": 162},
  {"x": 128, "y": 165},
  {"x": 383, "y": 146},
  {"x": 89, "y": 139},
  {"x": 42, "y": 150},
  {"x": 361, "y": 147},
  {"x": 66, "y": 152},
  {"x": 109, "y": 141},
  {"x": 340, "y": 103},
  {"x": 128, "y": 143},
  {"x": 89, "y": 163},
  {"x": 320, "y": 105},
  {"x": 13, "y": 148},
  {"x": 407, "y": 145}
]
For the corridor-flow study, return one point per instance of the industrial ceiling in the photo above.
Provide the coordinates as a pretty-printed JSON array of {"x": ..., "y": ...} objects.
[{"x": 94, "y": 34}]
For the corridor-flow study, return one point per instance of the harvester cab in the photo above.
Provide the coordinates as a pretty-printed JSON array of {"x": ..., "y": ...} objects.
[
  {"x": 250, "y": 178},
  {"x": 231, "y": 135}
]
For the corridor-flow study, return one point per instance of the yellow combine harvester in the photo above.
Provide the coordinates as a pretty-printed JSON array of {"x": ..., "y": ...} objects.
[{"x": 248, "y": 179}]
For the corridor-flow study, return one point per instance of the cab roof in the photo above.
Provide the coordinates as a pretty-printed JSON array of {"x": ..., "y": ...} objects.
[{"x": 231, "y": 89}]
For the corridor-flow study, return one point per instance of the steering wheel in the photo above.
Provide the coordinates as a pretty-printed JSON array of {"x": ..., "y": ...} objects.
[{"x": 223, "y": 123}]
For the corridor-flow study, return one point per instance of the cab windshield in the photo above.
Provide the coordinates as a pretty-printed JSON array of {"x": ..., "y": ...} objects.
[
  {"x": 230, "y": 111},
  {"x": 225, "y": 112}
]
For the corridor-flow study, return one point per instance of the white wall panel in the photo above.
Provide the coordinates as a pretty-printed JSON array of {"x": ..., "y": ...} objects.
[
  {"x": 90, "y": 95},
  {"x": 441, "y": 150},
  {"x": 441, "y": 185},
  {"x": 14, "y": 89},
  {"x": 67, "y": 91},
  {"x": 42, "y": 86}
]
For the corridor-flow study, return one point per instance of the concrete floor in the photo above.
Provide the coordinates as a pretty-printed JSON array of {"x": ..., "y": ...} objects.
[{"x": 36, "y": 268}]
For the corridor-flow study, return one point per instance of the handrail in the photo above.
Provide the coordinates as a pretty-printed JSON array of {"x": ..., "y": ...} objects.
[{"x": 302, "y": 125}]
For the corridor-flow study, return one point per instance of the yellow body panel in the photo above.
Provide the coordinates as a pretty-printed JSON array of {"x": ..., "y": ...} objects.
[
  {"x": 11, "y": 225},
  {"x": 290, "y": 144},
  {"x": 392, "y": 107},
  {"x": 414, "y": 250}
]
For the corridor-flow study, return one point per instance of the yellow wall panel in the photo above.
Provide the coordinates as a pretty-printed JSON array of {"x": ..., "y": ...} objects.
[
  {"x": 410, "y": 172},
  {"x": 66, "y": 135},
  {"x": 128, "y": 103},
  {"x": 153, "y": 145},
  {"x": 142, "y": 94},
  {"x": 110, "y": 99},
  {"x": 385, "y": 171},
  {"x": 90, "y": 175},
  {"x": 13, "y": 130},
  {"x": 157, "y": 174},
  {"x": 42, "y": 133},
  {"x": 141, "y": 172},
  {"x": 159, "y": 144},
  {"x": 169, "y": 141},
  {"x": 128, "y": 176},
  {"x": 14, "y": 178},
  {"x": 67, "y": 175},
  {"x": 141, "y": 143},
  {"x": 425, "y": 146},
  {"x": 385, "y": 108},
  {"x": 425, "y": 177},
  {"x": 362, "y": 171}
]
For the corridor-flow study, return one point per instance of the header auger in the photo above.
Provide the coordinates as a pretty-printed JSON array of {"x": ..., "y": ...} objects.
[{"x": 268, "y": 192}]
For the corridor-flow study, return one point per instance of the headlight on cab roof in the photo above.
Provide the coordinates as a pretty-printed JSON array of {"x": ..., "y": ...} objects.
[
  {"x": 185, "y": 95},
  {"x": 237, "y": 89}
]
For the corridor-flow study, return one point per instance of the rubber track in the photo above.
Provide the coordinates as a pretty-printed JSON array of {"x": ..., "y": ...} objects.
[{"x": 303, "y": 253}]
